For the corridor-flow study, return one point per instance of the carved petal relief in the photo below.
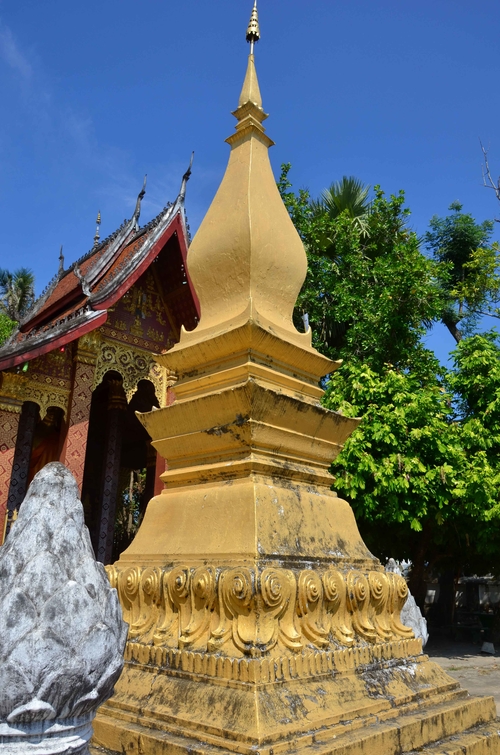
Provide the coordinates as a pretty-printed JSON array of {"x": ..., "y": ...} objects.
[{"x": 243, "y": 612}]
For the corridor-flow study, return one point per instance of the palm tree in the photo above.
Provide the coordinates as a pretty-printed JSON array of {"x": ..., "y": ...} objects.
[
  {"x": 349, "y": 196},
  {"x": 17, "y": 292}
]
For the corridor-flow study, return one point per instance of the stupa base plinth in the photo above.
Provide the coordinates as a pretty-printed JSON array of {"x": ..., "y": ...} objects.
[{"x": 347, "y": 702}]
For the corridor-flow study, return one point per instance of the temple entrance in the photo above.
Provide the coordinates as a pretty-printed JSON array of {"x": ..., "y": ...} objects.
[
  {"x": 37, "y": 443},
  {"x": 46, "y": 440},
  {"x": 120, "y": 465}
]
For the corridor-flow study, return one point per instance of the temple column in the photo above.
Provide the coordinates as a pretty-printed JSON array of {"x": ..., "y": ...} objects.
[
  {"x": 117, "y": 404},
  {"x": 21, "y": 460},
  {"x": 9, "y": 424},
  {"x": 75, "y": 444}
]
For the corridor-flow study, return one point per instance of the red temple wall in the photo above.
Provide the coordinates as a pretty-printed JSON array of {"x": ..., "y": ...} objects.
[{"x": 9, "y": 422}]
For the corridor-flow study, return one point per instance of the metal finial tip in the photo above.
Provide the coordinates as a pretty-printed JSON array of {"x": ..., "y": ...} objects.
[
  {"x": 253, "y": 30},
  {"x": 98, "y": 223}
]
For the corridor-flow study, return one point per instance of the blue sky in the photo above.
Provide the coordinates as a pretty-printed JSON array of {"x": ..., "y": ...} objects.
[{"x": 95, "y": 94}]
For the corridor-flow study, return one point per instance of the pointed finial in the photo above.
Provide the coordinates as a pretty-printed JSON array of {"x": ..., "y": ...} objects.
[
  {"x": 140, "y": 197},
  {"x": 185, "y": 179},
  {"x": 253, "y": 30},
  {"x": 251, "y": 91},
  {"x": 98, "y": 223},
  {"x": 61, "y": 261}
]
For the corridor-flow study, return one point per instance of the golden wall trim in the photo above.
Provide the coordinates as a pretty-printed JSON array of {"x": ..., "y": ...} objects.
[
  {"x": 309, "y": 664},
  {"x": 87, "y": 347},
  {"x": 19, "y": 388},
  {"x": 14, "y": 406},
  {"x": 133, "y": 365}
]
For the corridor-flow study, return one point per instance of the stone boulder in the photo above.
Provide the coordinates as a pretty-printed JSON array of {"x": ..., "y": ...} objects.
[
  {"x": 411, "y": 615},
  {"x": 62, "y": 635}
]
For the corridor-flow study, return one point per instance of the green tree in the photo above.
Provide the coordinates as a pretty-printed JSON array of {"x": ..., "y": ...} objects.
[
  {"x": 17, "y": 293},
  {"x": 417, "y": 471},
  {"x": 375, "y": 299},
  {"x": 6, "y": 327},
  {"x": 348, "y": 197},
  {"x": 470, "y": 279},
  {"x": 475, "y": 384},
  {"x": 421, "y": 474}
]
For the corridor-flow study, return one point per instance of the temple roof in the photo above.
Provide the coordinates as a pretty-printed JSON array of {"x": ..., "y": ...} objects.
[{"x": 77, "y": 299}]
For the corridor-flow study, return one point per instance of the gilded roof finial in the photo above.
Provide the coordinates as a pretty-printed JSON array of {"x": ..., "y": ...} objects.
[
  {"x": 98, "y": 223},
  {"x": 61, "y": 261},
  {"x": 253, "y": 31}
]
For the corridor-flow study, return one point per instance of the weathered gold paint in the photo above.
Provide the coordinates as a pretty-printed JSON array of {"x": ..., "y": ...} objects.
[{"x": 259, "y": 622}]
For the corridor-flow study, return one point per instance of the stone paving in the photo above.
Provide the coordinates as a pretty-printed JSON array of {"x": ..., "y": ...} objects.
[{"x": 478, "y": 673}]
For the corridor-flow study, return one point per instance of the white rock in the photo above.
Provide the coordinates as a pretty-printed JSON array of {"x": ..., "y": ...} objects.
[
  {"x": 61, "y": 633},
  {"x": 411, "y": 615}
]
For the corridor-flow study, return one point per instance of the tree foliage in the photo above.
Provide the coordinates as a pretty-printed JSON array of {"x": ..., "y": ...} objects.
[
  {"x": 469, "y": 276},
  {"x": 17, "y": 293},
  {"x": 349, "y": 197},
  {"x": 6, "y": 327},
  {"x": 375, "y": 297},
  {"x": 422, "y": 471}
]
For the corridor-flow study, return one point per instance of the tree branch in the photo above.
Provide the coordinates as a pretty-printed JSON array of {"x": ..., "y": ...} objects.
[{"x": 488, "y": 181}]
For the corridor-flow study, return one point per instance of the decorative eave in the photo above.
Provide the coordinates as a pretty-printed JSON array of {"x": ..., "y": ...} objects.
[
  {"x": 106, "y": 260},
  {"x": 172, "y": 216},
  {"x": 19, "y": 350},
  {"x": 92, "y": 312},
  {"x": 31, "y": 316},
  {"x": 121, "y": 279}
]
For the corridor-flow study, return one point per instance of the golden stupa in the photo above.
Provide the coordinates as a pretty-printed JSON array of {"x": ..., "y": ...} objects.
[{"x": 259, "y": 621}]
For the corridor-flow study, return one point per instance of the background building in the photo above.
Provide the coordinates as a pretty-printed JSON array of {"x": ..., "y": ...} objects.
[{"x": 82, "y": 362}]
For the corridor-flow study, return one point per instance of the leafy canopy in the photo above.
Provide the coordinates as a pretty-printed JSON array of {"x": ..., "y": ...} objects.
[
  {"x": 374, "y": 296},
  {"x": 17, "y": 292},
  {"x": 469, "y": 275},
  {"x": 422, "y": 471},
  {"x": 6, "y": 328}
]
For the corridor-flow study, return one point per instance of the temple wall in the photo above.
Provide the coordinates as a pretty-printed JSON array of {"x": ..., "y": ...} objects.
[
  {"x": 75, "y": 445},
  {"x": 9, "y": 423}
]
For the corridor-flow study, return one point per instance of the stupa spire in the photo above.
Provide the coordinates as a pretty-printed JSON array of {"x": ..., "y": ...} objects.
[
  {"x": 247, "y": 262},
  {"x": 259, "y": 621}
]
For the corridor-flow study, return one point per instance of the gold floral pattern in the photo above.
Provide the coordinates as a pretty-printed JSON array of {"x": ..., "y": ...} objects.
[
  {"x": 244, "y": 612},
  {"x": 133, "y": 365}
]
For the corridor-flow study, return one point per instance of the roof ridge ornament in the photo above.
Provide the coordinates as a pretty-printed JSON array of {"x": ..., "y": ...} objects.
[
  {"x": 98, "y": 223},
  {"x": 83, "y": 282},
  {"x": 61, "y": 262},
  {"x": 253, "y": 29},
  {"x": 140, "y": 197},
  {"x": 185, "y": 179}
]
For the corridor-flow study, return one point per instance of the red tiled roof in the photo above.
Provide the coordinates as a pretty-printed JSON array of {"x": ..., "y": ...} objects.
[
  {"x": 121, "y": 259},
  {"x": 68, "y": 311},
  {"x": 67, "y": 289}
]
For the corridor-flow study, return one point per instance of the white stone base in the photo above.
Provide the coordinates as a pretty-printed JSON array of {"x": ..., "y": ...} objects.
[{"x": 56, "y": 737}]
